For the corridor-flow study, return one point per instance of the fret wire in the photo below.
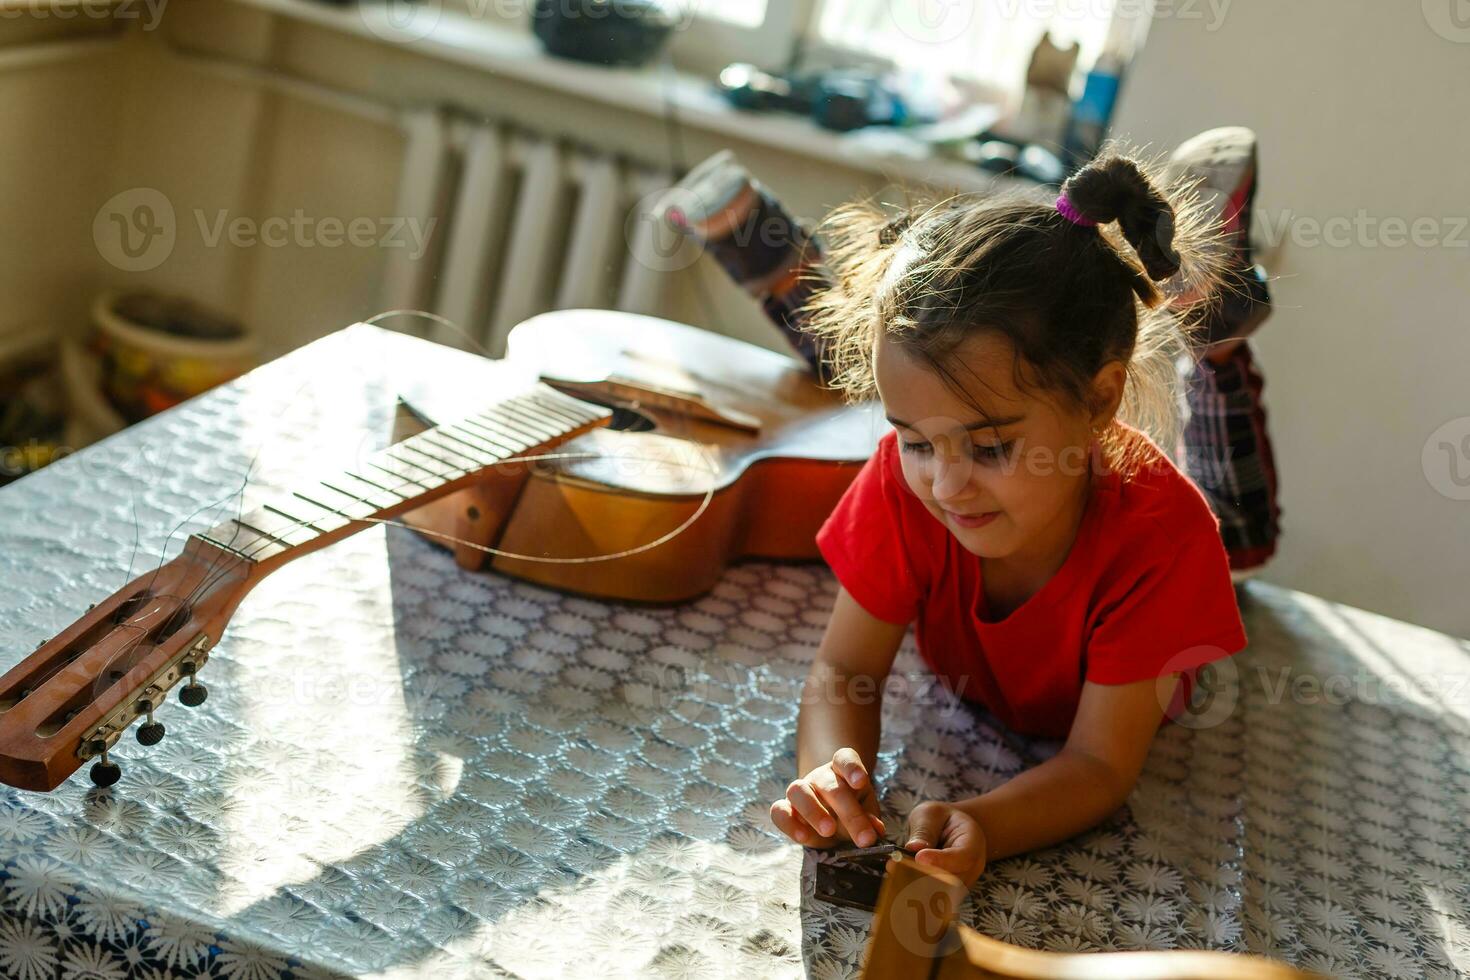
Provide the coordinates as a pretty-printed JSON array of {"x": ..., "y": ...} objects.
[
  {"x": 458, "y": 450},
  {"x": 379, "y": 493},
  {"x": 352, "y": 502},
  {"x": 507, "y": 414},
  {"x": 405, "y": 477},
  {"x": 334, "y": 513},
  {"x": 497, "y": 415},
  {"x": 568, "y": 402},
  {"x": 266, "y": 534},
  {"x": 442, "y": 456},
  {"x": 533, "y": 440},
  {"x": 389, "y": 488},
  {"x": 502, "y": 435},
  {"x": 563, "y": 421},
  {"x": 558, "y": 411},
  {"x": 395, "y": 454},
  {"x": 264, "y": 522},
  {"x": 474, "y": 442},
  {"x": 225, "y": 546},
  {"x": 513, "y": 442},
  {"x": 325, "y": 523}
]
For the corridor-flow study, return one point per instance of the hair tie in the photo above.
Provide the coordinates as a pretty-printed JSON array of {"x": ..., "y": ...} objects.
[
  {"x": 1070, "y": 212},
  {"x": 891, "y": 232}
]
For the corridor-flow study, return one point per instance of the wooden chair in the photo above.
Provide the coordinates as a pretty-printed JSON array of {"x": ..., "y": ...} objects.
[{"x": 915, "y": 936}]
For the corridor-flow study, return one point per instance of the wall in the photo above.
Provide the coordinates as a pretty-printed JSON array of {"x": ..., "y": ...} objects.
[
  {"x": 1357, "y": 105},
  {"x": 57, "y": 117}
]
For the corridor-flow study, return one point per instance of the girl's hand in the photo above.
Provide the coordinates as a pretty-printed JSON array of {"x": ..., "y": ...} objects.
[
  {"x": 944, "y": 836},
  {"x": 833, "y": 802}
]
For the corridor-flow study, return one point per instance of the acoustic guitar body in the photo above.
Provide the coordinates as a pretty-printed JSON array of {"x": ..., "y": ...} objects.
[{"x": 694, "y": 412}]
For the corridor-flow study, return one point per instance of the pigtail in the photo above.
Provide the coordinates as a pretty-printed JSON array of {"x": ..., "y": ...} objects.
[{"x": 1123, "y": 271}]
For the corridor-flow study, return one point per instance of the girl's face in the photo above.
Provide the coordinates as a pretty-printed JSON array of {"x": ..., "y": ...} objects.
[{"x": 1009, "y": 482}]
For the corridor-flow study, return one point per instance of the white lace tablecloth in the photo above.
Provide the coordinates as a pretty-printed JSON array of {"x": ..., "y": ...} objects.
[{"x": 406, "y": 770}]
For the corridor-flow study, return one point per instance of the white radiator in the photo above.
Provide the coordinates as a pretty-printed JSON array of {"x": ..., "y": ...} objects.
[{"x": 524, "y": 224}]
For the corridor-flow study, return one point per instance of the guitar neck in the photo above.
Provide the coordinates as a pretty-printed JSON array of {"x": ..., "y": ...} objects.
[{"x": 405, "y": 476}]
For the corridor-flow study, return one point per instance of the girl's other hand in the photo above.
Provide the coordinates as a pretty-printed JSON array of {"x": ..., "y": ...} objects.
[
  {"x": 833, "y": 802},
  {"x": 943, "y": 836}
]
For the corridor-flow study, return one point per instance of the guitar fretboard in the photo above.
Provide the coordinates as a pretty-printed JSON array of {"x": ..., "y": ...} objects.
[{"x": 409, "y": 473}]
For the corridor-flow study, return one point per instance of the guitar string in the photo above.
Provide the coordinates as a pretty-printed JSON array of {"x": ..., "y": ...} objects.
[
  {"x": 214, "y": 573},
  {"x": 450, "y": 324},
  {"x": 704, "y": 504}
]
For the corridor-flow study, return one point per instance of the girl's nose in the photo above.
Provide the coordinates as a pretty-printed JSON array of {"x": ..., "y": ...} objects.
[{"x": 950, "y": 470}]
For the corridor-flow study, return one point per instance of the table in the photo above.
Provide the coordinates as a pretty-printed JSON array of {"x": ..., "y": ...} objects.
[{"x": 407, "y": 770}]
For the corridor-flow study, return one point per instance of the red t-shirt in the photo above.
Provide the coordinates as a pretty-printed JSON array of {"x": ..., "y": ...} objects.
[{"x": 1145, "y": 590}]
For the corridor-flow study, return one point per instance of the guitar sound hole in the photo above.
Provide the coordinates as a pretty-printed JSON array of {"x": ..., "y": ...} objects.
[{"x": 628, "y": 420}]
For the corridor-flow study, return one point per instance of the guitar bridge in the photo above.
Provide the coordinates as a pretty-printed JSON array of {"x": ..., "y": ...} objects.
[{"x": 110, "y": 729}]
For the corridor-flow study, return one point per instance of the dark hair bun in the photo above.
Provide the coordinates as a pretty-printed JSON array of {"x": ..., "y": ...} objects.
[{"x": 1114, "y": 189}]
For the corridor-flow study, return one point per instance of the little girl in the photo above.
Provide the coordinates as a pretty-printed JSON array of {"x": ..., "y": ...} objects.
[{"x": 1058, "y": 568}]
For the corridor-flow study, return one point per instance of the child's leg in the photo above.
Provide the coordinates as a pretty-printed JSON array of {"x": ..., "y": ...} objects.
[
  {"x": 753, "y": 238},
  {"x": 1228, "y": 452}
]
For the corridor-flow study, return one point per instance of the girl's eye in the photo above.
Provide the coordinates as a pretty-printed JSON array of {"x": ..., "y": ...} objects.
[{"x": 980, "y": 453}]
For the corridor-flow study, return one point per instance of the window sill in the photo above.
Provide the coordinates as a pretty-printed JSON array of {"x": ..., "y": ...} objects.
[{"x": 459, "y": 39}]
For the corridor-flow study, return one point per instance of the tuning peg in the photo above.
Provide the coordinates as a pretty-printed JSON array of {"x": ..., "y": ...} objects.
[
  {"x": 192, "y": 694},
  {"x": 104, "y": 771},
  {"x": 150, "y": 732}
]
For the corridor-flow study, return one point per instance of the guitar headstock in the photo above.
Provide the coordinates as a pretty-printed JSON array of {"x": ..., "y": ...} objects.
[{"x": 74, "y": 697}]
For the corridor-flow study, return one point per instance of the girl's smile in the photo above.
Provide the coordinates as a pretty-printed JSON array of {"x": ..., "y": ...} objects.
[{"x": 1003, "y": 468}]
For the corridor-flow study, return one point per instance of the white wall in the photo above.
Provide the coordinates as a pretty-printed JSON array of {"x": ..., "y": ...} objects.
[
  {"x": 57, "y": 120},
  {"x": 1359, "y": 106}
]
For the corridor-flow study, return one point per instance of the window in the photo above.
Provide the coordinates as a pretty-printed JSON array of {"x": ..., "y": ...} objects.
[
  {"x": 986, "y": 41},
  {"x": 741, "y": 13},
  {"x": 989, "y": 41}
]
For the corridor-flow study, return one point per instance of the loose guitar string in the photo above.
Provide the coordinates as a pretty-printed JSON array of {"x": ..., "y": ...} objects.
[
  {"x": 214, "y": 573},
  {"x": 138, "y": 624},
  {"x": 238, "y": 494},
  {"x": 211, "y": 580}
]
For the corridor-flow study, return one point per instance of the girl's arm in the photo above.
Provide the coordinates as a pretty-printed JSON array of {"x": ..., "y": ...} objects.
[
  {"x": 1071, "y": 792},
  {"x": 837, "y": 731}
]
